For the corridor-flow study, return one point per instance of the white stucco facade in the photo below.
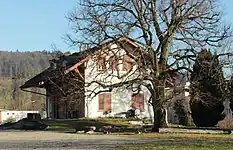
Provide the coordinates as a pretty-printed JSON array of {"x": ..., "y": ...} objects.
[
  {"x": 120, "y": 97},
  {"x": 120, "y": 102}
]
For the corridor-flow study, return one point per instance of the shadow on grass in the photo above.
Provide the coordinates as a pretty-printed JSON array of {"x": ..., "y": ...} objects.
[
  {"x": 203, "y": 145},
  {"x": 80, "y": 124},
  {"x": 181, "y": 141}
]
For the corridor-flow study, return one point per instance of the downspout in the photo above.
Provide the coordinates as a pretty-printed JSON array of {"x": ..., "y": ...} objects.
[{"x": 87, "y": 111}]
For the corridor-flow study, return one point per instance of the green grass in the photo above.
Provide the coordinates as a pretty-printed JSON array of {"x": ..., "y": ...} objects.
[
  {"x": 179, "y": 146},
  {"x": 79, "y": 124},
  {"x": 156, "y": 141},
  {"x": 175, "y": 141}
]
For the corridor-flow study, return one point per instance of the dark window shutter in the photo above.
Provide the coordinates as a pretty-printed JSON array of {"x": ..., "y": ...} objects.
[
  {"x": 137, "y": 101},
  {"x": 101, "y": 63},
  {"x": 101, "y": 102},
  {"x": 127, "y": 63},
  {"x": 113, "y": 63},
  {"x": 105, "y": 100}
]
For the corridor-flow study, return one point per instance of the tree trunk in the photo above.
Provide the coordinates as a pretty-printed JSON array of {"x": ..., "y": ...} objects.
[
  {"x": 159, "y": 118},
  {"x": 158, "y": 101}
]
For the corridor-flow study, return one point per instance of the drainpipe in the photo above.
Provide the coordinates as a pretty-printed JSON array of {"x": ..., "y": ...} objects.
[{"x": 87, "y": 112}]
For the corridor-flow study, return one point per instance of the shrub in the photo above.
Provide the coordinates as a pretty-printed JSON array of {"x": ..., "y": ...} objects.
[
  {"x": 181, "y": 112},
  {"x": 10, "y": 120}
]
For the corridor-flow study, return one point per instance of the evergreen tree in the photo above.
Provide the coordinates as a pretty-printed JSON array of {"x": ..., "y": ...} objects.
[
  {"x": 207, "y": 85},
  {"x": 230, "y": 91}
]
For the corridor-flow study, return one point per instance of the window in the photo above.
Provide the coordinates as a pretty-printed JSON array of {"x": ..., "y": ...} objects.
[
  {"x": 127, "y": 63},
  {"x": 105, "y": 101},
  {"x": 113, "y": 63},
  {"x": 101, "y": 63},
  {"x": 137, "y": 101}
]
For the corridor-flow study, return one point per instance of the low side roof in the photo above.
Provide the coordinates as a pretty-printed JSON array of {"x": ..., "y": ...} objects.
[{"x": 40, "y": 79}]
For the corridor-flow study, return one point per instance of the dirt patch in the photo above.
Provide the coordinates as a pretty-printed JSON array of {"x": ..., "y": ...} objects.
[{"x": 52, "y": 140}]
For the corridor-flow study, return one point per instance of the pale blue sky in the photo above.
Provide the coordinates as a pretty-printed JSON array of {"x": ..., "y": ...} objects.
[
  {"x": 227, "y": 7},
  {"x": 34, "y": 24},
  {"x": 37, "y": 24}
]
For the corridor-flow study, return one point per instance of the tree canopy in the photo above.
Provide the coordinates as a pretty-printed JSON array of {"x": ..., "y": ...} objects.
[{"x": 171, "y": 32}]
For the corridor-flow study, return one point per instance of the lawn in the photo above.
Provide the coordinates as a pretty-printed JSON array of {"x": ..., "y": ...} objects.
[
  {"x": 157, "y": 141},
  {"x": 179, "y": 141},
  {"x": 79, "y": 124}
]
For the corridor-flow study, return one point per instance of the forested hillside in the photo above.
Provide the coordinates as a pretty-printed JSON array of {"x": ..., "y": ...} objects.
[{"x": 15, "y": 69}]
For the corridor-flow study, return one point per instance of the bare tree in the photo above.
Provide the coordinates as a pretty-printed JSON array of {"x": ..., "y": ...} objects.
[{"x": 171, "y": 32}]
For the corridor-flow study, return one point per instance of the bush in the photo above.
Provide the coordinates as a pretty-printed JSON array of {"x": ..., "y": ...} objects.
[
  {"x": 181, "y": 112},
  {"x": 10, "y": 120}
]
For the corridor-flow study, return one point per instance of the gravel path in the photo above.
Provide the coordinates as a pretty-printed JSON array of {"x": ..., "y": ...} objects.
[{"x": 54, "y": 140}]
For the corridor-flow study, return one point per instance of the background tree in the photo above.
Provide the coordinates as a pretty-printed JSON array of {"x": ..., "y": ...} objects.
[
  {"x": 181, "y": 112},
  {"x": 170, "y": 31},
  {"x": 15, "y": 69},
  {"x": 207, "y": 90},
  {"x": 230, "y": 88}
]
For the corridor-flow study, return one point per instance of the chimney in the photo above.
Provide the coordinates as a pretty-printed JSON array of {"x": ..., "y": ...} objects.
[
  {"x": 53, "y": 64},
  {"x": 83, "y": 47}
]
